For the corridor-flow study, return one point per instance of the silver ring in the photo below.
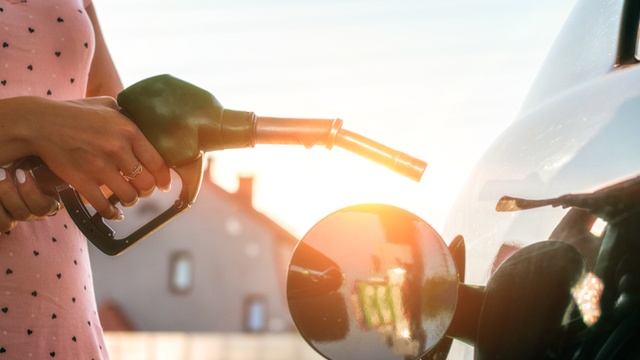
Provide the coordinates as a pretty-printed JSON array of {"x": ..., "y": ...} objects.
[{"x": 136, "y": 171}]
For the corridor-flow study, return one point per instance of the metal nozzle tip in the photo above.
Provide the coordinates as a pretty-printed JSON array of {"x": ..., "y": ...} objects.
[{"x": 410, "y": 167}]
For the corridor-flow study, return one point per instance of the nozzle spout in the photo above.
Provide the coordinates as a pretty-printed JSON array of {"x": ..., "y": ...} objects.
[
  {"x": 329, "y": 132},
  {"x": 395, "y": 160}
]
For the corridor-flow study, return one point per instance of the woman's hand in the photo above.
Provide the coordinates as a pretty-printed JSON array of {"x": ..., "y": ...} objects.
[
  {"x": 88, "y": 143},
  {"x": 22, "y": 200}
]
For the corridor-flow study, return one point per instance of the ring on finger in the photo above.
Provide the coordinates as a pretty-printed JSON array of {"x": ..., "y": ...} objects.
[
  {"x": 135, "y": 172},
  {"x": 58, "y": 207}
]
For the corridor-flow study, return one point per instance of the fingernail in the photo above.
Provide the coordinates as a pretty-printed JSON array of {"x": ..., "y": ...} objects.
[
  {"x": 165, "y": 188},
  {"x": 3, "y": 174},
  {"x": 21, "y": 176},
  {"x": 119, "y": 215},
  {"x": 7, "y": 165}
]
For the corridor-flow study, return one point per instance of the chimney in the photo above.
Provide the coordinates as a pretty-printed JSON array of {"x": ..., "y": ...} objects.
[
  {"x": 245, "y": 190},
  {"x": 209, "y": 168}
]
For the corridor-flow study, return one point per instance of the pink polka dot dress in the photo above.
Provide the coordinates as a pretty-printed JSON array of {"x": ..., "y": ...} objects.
[{"x": 47, "y": 303}]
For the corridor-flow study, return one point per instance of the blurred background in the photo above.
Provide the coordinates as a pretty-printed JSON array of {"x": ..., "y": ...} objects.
[{"x": 438, "y": 80}]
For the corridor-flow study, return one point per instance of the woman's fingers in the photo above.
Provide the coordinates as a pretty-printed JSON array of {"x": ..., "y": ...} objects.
[
  {"x": 10, "y": 198},
  {"x": 153, "y": 165},
  {"x": 143, "y": 166},
  {"x": 7, "y": 222},
  {"x": 94, "y": 195},
  {"x": 141, "y": 179},
  {"x": 37, "y": 202},
  {"x": 22, "y": 200}
]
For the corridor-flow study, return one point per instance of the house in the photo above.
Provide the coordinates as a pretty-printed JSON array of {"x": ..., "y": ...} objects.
[{"x": 218, "y": 267}]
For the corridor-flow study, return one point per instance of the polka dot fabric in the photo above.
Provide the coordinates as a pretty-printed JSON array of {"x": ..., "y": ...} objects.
[
  {"x": 47, "y": 306},
  {"x": 47, "y": 302},
  {"x": 46, "y": 48}
]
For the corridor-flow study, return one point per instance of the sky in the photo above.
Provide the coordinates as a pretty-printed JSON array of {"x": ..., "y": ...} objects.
[{"x": 438, "y": 80}]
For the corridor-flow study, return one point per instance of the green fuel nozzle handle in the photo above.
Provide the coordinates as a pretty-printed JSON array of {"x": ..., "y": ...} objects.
[{"x": 183, "y": 122}]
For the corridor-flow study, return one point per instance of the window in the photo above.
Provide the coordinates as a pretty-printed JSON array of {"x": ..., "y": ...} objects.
[
  {"x": 255, "y": 313},
  {"x": 181, "y": 272}
]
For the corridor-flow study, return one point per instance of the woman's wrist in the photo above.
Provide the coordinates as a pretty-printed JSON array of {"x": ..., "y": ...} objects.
[{"x": 17, "y": 127}]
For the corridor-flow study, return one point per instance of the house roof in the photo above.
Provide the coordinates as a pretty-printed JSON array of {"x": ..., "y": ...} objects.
[{"x": 246, "y": 207}]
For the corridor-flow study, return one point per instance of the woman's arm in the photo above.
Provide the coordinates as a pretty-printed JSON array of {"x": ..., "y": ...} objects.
[{"x": 103, "y": 77}]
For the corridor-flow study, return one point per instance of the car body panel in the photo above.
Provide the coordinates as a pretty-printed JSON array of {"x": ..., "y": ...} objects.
[{"x": 576, "y": 132}]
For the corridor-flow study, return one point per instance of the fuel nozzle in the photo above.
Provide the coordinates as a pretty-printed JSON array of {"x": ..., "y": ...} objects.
[{"x": 183, "y": 122}]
